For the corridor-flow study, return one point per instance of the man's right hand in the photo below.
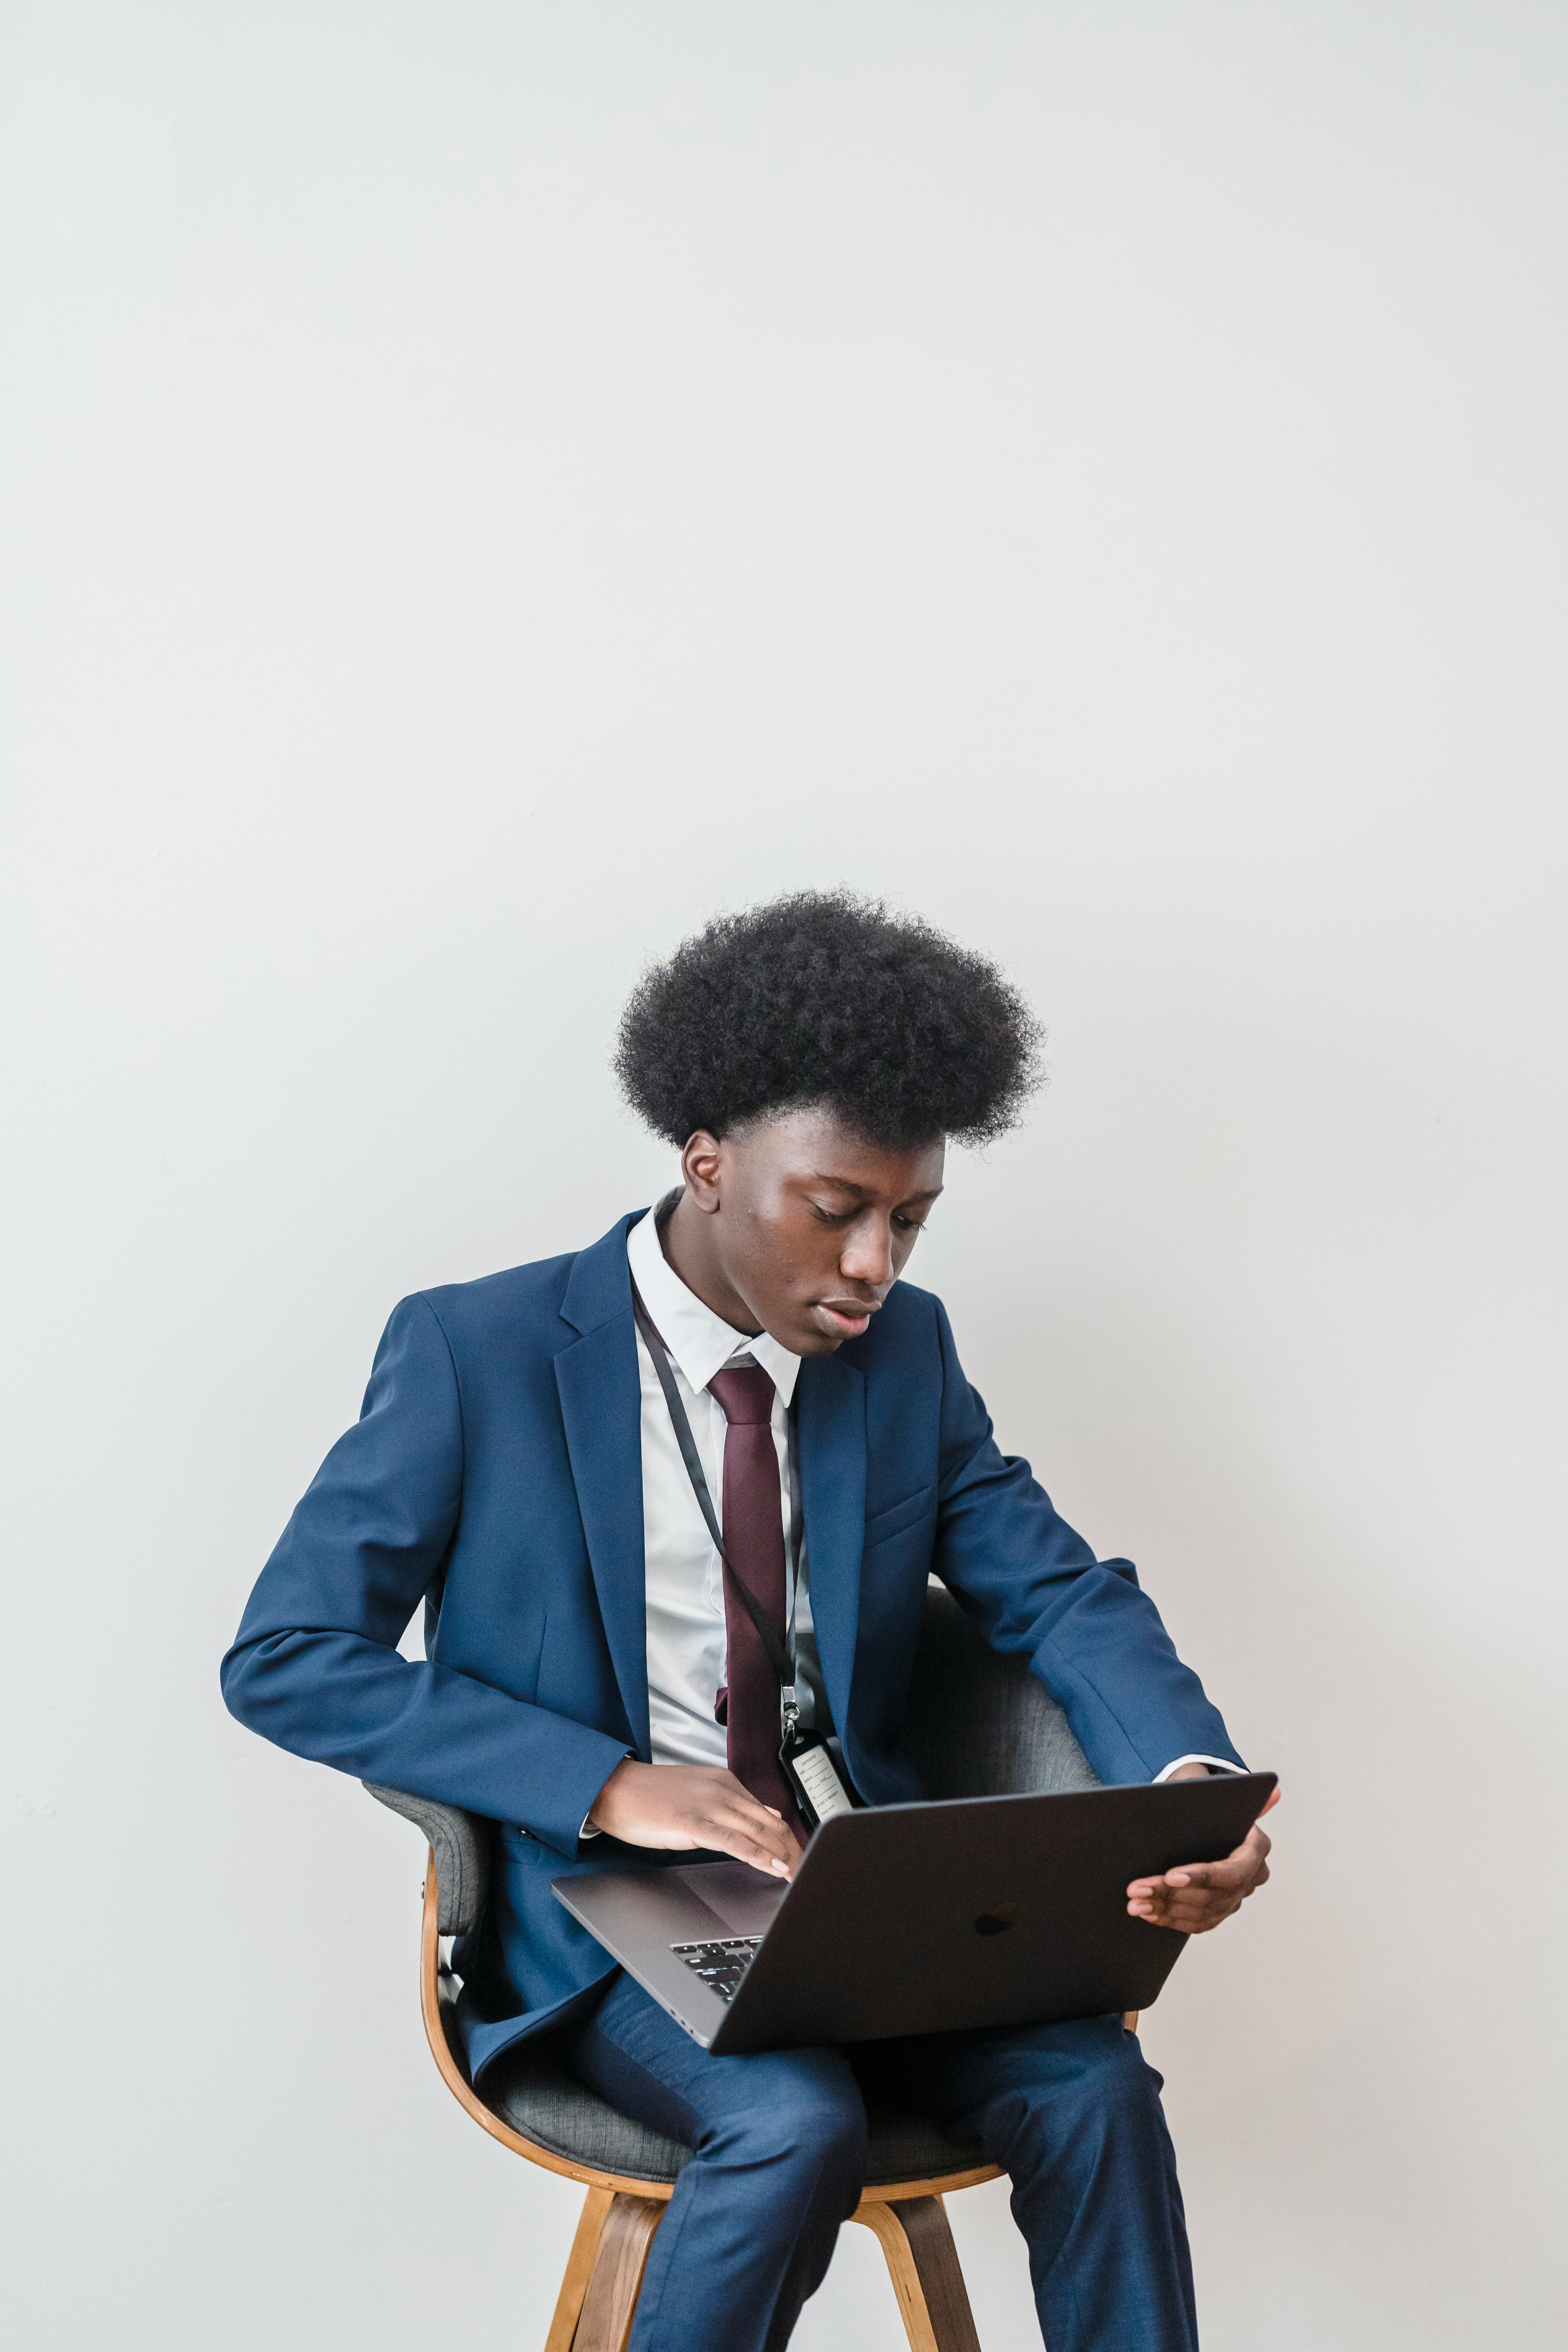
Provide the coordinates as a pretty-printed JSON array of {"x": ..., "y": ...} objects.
[{"x": 693, "y": 1805}]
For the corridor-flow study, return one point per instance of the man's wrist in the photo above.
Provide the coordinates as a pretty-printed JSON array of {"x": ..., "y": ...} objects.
[
  {"x": 592, "y": 1829},
  {"x": 1178, "y": 1768}
]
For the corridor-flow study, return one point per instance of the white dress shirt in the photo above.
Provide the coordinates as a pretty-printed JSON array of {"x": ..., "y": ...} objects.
[
  {"x": 687, "y": 1650},
  {"x": 686, "y": 1638}
]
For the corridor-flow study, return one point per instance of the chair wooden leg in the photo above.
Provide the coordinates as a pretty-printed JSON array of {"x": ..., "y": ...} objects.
[
  {"x": 923, "y": 2263},
  {"x": 623, "y": 2240},
  {"x": 579, "y": 2268}
]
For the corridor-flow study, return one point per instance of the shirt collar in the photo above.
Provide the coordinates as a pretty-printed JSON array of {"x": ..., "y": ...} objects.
[{"x": 701, "y": 1341}]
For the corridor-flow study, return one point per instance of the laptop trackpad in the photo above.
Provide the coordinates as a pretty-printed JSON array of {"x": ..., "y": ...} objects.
[{"x": 746, "y": 1900}]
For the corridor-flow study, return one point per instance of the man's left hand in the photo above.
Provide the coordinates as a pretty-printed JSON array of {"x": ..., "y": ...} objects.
[{"x": 1197, "y": 1895}]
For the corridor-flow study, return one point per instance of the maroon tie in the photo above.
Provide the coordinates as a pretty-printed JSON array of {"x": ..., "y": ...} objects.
[{"x": 754, "y": 1539}]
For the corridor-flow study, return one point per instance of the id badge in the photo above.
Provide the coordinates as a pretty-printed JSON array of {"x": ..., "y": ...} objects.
[{"x": 815, "y": 1780}]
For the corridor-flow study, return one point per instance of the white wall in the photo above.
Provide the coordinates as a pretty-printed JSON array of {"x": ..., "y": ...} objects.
[{"x": 488, "y": 485}]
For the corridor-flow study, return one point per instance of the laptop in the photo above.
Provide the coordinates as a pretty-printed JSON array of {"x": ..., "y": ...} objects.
[{"x": 920, "y": 1918}]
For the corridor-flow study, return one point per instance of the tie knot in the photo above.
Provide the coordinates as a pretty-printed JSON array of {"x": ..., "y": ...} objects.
[{"x": 745, "y": 1394}]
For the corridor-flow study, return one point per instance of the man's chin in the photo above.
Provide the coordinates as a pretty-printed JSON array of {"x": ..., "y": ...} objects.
[{"x": 803, "y": 1338}]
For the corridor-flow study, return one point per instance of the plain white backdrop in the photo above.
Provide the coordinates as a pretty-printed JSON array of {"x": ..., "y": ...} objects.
[{"x": 488, "y": 485}]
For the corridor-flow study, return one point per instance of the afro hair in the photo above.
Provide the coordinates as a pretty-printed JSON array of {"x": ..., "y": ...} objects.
[{"x": 827, "y": 998}]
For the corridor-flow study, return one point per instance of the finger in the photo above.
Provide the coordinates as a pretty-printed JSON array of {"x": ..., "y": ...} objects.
[
  {"x": 1235, "y": 1877},
  {"x": 760, "y": 1828},
  {"x": 1183, "y": 1905},
  {"x": 742, "y": 1805},
  {"x": 759, "y": 1821},
  {"x": 1159, "y": 1898},
  {"x": 745, "y": 1813},
  {"x": 1274, "y": 1798},
  {"x": 744, "y": 1849},
  {"x": 1190, "y": 1903},
  {"x": 1188, "y": 1919},
  {"x": 1231, "y": 1872}
]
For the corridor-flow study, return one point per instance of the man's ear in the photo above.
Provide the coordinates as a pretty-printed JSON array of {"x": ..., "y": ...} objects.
[{"x": 700, "y": 1164}]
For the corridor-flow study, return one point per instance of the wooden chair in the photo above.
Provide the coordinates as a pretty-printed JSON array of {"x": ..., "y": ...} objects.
[{"x": 982, "y": 1726}]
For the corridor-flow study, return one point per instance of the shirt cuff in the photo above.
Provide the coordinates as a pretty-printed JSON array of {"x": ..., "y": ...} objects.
[
  {"x": 589, "y": 1829},
  {"x": 1215, "y": 1763}
]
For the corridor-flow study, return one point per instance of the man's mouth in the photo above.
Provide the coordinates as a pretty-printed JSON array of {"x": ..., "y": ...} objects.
[{"x": 845, "y": 1317}]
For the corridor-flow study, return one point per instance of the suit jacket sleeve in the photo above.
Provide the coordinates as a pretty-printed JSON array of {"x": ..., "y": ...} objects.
[
  {"x": 315, "y": 1664},
  {"x": 1093, "y": 1638}
]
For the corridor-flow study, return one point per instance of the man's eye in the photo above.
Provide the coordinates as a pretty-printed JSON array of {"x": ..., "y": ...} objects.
[
  {"x": 833, "y": 1216},
  {"x": 911, "y": 1225}
]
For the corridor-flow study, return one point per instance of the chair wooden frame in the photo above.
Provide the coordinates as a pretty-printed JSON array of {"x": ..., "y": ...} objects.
[{"x": 597, "y": 2301}]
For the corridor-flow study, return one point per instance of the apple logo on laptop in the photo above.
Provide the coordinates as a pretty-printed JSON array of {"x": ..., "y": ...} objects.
[{"x": 997, "y": 1920}]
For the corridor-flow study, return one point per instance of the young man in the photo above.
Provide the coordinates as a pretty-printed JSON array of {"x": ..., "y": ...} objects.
[{"x": 597, "y": 1684}]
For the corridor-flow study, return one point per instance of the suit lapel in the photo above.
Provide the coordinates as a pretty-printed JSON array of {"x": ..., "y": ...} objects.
[
  {"x": 601, "y": 1407},
  {"x": 832, "y": 1403}
]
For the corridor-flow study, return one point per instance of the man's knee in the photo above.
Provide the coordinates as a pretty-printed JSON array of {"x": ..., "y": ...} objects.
[
  {"x": 1104, "y": 2094},
  {"x": 1121, "y": 2084},
  {"x": 831, "y": 2140},
  {"x": 805, "y": 2117}
]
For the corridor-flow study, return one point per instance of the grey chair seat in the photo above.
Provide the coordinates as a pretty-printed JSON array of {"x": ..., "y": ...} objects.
[{"x": 538, "y": 2098}]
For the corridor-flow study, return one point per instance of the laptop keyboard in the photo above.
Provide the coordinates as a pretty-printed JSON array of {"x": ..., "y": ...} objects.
[{"x": 720, "y": 1966}]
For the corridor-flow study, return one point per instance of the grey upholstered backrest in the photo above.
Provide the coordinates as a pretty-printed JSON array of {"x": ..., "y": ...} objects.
[
  {"x": 460, "y": 1843},
  {"x": 979, "y": 1725}
]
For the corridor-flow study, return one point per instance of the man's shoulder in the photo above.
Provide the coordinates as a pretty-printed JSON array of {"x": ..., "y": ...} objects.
[
  {"x": 526, "y": 1298},
  {"x": 535, "y": 1288}
]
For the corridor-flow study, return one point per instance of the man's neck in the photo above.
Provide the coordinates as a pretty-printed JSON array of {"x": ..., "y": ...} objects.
[{"x": 687, "y": 1237}]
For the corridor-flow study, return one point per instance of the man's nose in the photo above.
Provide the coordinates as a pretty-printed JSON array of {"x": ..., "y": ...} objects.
[{"x": 868, "y": 1257}]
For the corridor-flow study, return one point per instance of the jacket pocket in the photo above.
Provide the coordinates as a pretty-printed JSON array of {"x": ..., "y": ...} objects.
[{"x": 899, "y": 1516}]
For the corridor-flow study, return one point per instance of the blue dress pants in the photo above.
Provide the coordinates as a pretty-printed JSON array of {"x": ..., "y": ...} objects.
[{"x": 1070, "y": 2112}]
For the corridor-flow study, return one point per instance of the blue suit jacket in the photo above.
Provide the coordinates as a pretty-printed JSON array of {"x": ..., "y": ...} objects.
[{"x": 496, "y": 1474}]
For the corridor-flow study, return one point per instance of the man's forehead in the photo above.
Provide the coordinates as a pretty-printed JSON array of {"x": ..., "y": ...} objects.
[
  {"x": 856, "y": 1185},
  {"x": 815, "y": 1144}
]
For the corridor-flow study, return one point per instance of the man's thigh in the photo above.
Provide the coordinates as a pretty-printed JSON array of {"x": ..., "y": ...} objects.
[
  {"x": 635, "y": 2055},
  {"x": 969, "y": 2081}
]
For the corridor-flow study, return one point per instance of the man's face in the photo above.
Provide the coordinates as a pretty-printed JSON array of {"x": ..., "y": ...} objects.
[{"x": 808, "y": 1223}]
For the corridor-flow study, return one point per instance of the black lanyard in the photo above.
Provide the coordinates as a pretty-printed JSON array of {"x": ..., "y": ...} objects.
[{"x": 779, "y": 1657}]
